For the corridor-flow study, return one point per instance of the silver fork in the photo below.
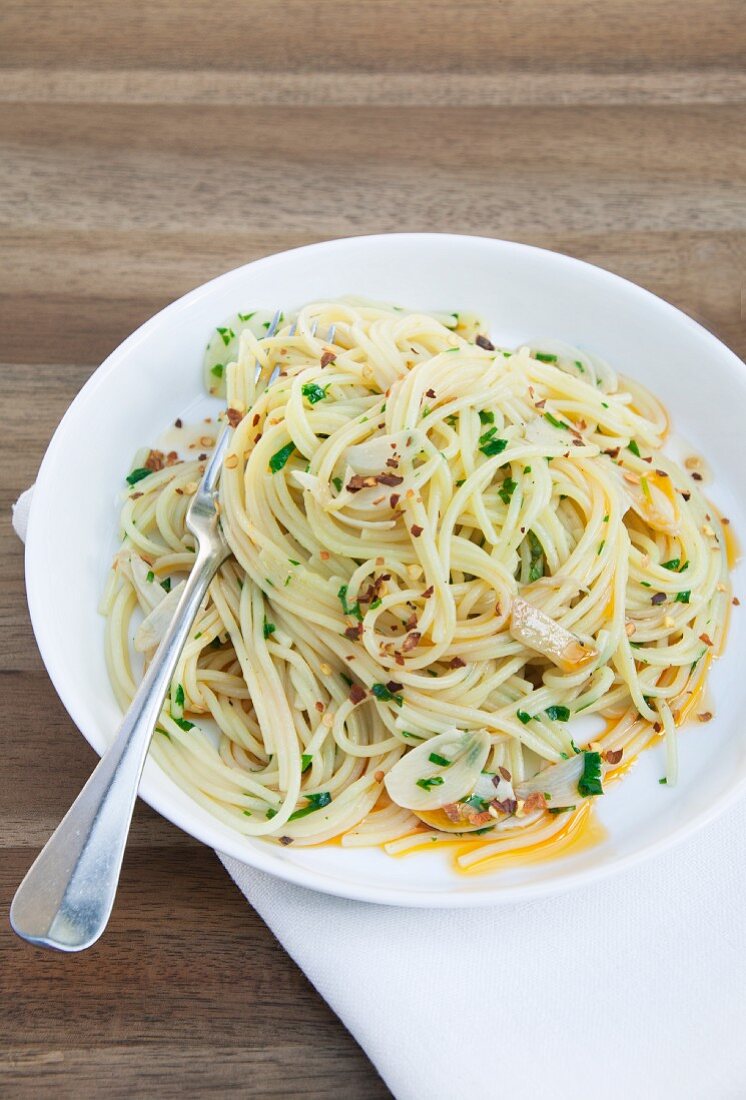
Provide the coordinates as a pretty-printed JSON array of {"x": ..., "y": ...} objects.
[{"x": 67, "y": 896}]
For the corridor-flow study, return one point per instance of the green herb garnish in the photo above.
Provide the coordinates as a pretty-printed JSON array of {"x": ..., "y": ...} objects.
[
  {"x": 674, "y": 564},
  {"x": 305, "y": 761},
  {"x": 545, "y": 357},
  {"x": 217, "y": 370},
  {"x": 590, "y": 780},
  {"x": 150, "y": 576},
  {"x": 435, "y": 781},
  {"x": 382, "y": 693},
  {"x": 523, "y": 716},
  {"x": 683, "y": 597},
  {"x": 314, "y": 392},
  {"x": 554, "y": 421},
  {"x": 166, "y": 585},
  {"x": 486, "y": 416},
  {"x": 337, "y": 483},
  {"x": 314, "y": 802},
  {"x": 558, "y": 714},
  {"x": 226, "y": 335},
  {"x": 507, "y": 489},
  {"x": 632, "y": 446},
  {"x": 348, "y": 609},
  {"x": 137, "y": 475},
  {"x": 182, "y": 723},
  {"x": 268, "y": 628},
  {"x": 493, "y": 447},
  {"x": 279, "y": 458},
  {"x": 441, "y": 761}
]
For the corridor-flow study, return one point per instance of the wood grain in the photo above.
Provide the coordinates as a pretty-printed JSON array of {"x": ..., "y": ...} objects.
[{"x": 146, "y": 148}]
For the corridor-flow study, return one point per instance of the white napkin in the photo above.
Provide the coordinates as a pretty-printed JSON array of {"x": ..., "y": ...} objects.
[{"x": 635, "y": 987}]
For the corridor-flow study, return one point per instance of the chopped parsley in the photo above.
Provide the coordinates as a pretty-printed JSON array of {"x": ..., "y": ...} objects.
[
  {"x": 217, "y": 370},
  {"x": 663, "y": 781},
  {"x": 579, "y": 365},
  {"x": 683, "y": 597},
  {"x": 601, "y": 546},
  {"x": 348, "y": 609},
  {"x": 536, "y": 569},
  {"x": 558, "y": 714},
  {"x": 314, "y": 802},
  {"x": 545, "y": 357},
  {"x": 166, "y": 585},
  {"x": 436, "y": 758},
  {"x": 245, "y": 316},
  {"x": 268, "y": 628},
  {"x": 507, "y": 489},
  {"x": 434, "y": 781},
  {"x": 305, "y": 761},
  {"x": 554, "y": 421},
  {"x": 590, "y": 780},
  {"x": 226, "y": 335},
  {"x": 179, "y": 696},
  {"x": 560, "y": 809},
  {"x": 337, "y": 483},
  {"x": 383, "y": 694},
  {"x": 632, "y": 446},
  {"x": 314, "y": 392},
  {"x": 486, "y": 416},
  {"x": 182, "y": 723},
  {"x": 150, "y": 576},
  {"x": 493, "y": 447},
  {"x": 138, "y": 475},
  {"x": 279, "y": 458},
  {"x": 271, "y": 812},
  {"x": 523, "y": 716},
  {"x": 673, "y": 564}
]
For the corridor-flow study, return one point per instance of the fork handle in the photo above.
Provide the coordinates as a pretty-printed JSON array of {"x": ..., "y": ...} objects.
[{"x": 66, "y": 898}]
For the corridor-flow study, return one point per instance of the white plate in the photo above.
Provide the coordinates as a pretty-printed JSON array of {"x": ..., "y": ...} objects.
[{"x": 524, "y": 293}]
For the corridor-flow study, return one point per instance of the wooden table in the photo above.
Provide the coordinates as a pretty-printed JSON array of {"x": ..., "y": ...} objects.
[{"x": 148, "y": 146}]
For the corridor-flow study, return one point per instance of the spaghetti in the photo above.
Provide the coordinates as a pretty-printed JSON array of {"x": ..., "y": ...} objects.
[{"x": 443, "y": 553}]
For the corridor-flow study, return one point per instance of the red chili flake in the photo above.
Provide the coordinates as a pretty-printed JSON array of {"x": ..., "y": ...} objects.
[
  {"x": 389, "y": 479},
  {"x": 685, "y": 494},
  {"x": 319, "y": 707},
  {"x": 179, "y": 492},
  {"x": 612, "y": 454},
  {"x": 661, "y": 473},
  {"x": 136, "y": 496},
  {"x": 705, "y": 716},
  {"x": 378, "y": 776},
  {"x": 255, "y": 420},
  {"x": 398, "y": 658},
  {"x": 736, "y": 601},
  {"x": 480, "y": 818},
  {"x": 535, "y": 801},
  {"x": 507, "y": 806},
  {"x": 155, "y": 460},
  {"x": 358, "y": 482},
  {"x": 328, "y": 357},
  {"x": 578, "y": 443},
  {"x": 234, "y": 417},
  {"x": 202, "y": 457},
  {"x": 178, "y": 423},
  {"x": 456, "y": 662},
  {"x": 505, "y": 774},
  {"x": 412, "y": 639},
  {"x": 394, "y": 499},
  {"x": 430, "y": 393},
  {"x": 649, "y": 459},
  {"x": 286, "y": 840},
  {"x": 657, "y": 727},
  {"x": 394, "y": 685},
  {"x": 411, "y": 622},
  {"x": 696, "y": 476},
  {"x": 354, "y": 633},
  {"x": 357, "y": 694},
  {"x": 392, "y": 462},
  {"x": 542, "y": 403},
  {"x": 483, "y": 342},
  {"x": 706, "y": 639},
  {"x": 725, "y": 520},
  {"x": 659, "y": 597},
  {"x": 257, "y": 437},
  {"x": 416, "y": 530},
  {"x": 613, "y": 756},
  {"x": 452, "y": 811}
]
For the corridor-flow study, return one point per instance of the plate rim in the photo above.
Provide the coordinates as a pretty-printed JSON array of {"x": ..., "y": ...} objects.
[{"x": 252, "y": 854}]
